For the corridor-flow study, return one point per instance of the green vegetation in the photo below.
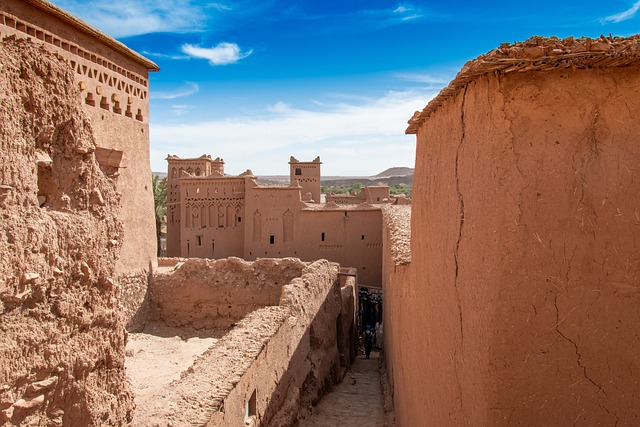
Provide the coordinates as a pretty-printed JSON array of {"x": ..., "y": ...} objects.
[
  {"x": 160, "y": 203},
  {"x": 341, "y": 189},
  {"x": 356, "y": 188},
  {"x": 401, "y": 189}
]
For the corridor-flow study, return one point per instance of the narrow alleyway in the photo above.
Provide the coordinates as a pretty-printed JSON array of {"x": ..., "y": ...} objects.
[{"x": 357, "y": 401}]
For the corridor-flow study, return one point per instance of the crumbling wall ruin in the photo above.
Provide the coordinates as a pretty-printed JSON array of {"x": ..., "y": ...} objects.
[
  {"x": 206, "y": 293},
  {"x": 525, "y": 241},
  {"x": 278, "y": 358},
  {"x": 61, "y": 332}
]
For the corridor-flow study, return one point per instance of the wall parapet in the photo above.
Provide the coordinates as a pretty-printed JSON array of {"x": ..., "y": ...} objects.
[
  {"x": 537, "y": 54},
  {"x": 397, "y": 222}
]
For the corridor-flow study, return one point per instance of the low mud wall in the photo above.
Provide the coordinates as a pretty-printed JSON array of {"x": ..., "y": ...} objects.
[
  {"x": 396, "y": 261},
  {"x": 204, "y": 293},
  {"x": 274, "y": 363}
]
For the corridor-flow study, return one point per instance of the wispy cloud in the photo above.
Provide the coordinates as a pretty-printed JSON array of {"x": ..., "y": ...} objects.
[
  {"x": 407, "y": 12},
  {"x": 181, "y": 109},
  {"x": 218, "y": 6},
  {"x": 222, "y": 54},
  {"x": 124, "y": 18},
  {"x": 163, "y": 55},
  {"x": 263, "y": 141},
  {"x": 392, "y": 16},
  {"x": 623, "y": 16},
  {"x": 190, "y": 88},
  {"x": 428, "y": 79},
  {"x": 279, "y": 107}
]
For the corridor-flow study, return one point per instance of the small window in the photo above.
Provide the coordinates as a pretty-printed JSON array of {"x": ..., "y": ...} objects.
[
  {"x": 362, "y": 237},
  {"x": 272, "y": 239},
  {"x": 298, "y": 171},
  {"x": 323, "y": 236},
  {"x": 251, "y": 410},
  {"x": 198, "y": 241},
  {"x": 239, "y": 219}
]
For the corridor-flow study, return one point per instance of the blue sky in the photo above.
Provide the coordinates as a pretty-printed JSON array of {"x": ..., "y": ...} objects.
[{"x": 256, "y": 81}]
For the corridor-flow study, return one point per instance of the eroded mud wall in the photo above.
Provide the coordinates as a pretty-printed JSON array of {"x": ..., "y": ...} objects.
[
  {"x": 206, "y": 293},
  {"x": 61, "y": 330},
  {"x": 276, "y": 361},
  {"x": 525, "y": 241}
]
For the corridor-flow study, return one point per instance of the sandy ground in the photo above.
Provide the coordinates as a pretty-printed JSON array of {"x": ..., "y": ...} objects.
[{"x": 157, "y": 356}]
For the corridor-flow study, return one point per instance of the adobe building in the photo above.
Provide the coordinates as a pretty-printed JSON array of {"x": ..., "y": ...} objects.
[
  {"x": 213, "y": 215},
  {"x": 522, "y": 293},
  {"x": 77, "y": 227},
  {"x": 114, "y": 88}
]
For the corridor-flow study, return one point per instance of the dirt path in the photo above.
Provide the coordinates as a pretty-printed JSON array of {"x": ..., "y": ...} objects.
[
  {"x": 357, "y": 401},
  {"x": 158, "y": 355}
]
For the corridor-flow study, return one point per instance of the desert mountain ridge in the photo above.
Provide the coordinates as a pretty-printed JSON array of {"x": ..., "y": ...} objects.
[{"x": 390, "y": 176}]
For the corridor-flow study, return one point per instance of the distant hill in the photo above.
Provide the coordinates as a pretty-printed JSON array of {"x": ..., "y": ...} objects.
[
  {"x": 391, "y": 176},
  {"x": 397, "y": 171}
]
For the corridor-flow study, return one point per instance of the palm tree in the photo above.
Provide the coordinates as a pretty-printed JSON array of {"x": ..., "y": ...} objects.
[{"x": 160, "y": 203}]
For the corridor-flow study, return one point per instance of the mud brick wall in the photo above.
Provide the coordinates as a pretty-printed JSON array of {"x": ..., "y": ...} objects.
[
  {"x": 277, "y": 360},
  {"x": 525, "y": 242},
  {"x": 62, "y": 331},
  {"x": 216, "y": 293}
]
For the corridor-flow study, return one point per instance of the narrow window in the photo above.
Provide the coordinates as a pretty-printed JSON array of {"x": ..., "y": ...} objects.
[
  {"x": 239, "y": 219},
  {"x": 362, "y": 237},
  {"x": 198, "y": 241},
  {"x": 272, "y": 239},
  {"x": 323, "y": 236},
  {"x": 250, "y": 410}
]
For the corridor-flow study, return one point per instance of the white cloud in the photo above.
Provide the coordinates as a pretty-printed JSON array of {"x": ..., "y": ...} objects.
[
  {"x": 190, "y": 88},
  {"x": 279, "y": 107},
  {"x": 222, "y": 54},
  {"x": 124, "y": 18},
  {"x": 428, "y": 79},
  {"x": 623, "y": 16},
  {"x": 181, "y": 109},
  {"x": 164, "y": 55},
  {"x": 219, "y": 6},
  {"x": 407, "y": 12},
  {"x": 352, "y": 138}
]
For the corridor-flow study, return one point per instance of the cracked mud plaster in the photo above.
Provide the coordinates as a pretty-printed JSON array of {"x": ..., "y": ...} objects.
[{"x": 526, "y": 179}]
